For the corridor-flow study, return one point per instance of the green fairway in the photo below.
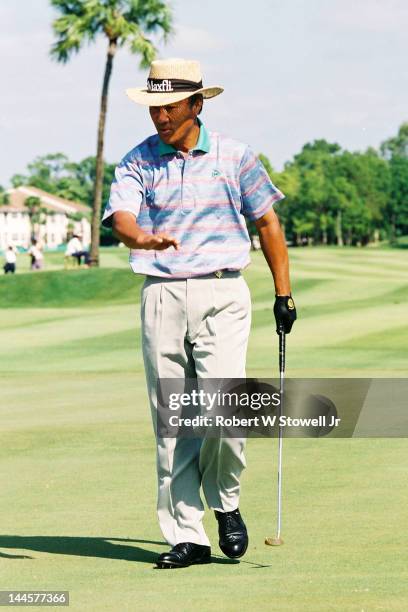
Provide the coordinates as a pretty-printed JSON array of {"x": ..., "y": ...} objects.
[{"x": 77, "y": 458}]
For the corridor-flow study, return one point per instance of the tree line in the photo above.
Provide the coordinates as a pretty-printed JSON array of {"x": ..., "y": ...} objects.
[{"x": 333, "y": 196}]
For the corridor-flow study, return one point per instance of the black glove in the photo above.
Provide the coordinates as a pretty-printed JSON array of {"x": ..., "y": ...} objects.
[{"x": 285, "y": 313}]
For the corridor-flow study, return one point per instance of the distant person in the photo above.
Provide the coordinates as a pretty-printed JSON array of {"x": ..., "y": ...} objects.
[
  {"x": 74, "y": 249},
  {"x": 37, "y": 257},
  {"x": 11, "y": 259},
  {"x": 86, "y": 255}
]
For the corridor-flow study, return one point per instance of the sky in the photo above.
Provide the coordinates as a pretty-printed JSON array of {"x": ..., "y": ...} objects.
[{"x": 293, "y": 71}]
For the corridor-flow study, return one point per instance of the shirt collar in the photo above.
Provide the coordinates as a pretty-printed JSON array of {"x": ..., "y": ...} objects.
[{"x": 203, "y": 142}]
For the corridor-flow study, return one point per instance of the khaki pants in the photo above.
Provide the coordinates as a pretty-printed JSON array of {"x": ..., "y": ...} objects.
[{"x": 195, "y": 328}]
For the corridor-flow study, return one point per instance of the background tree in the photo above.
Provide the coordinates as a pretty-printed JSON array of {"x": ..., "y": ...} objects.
[
  {"x": 397, "y": 145},
  {"x": 37, "y": 215},
  {"x": 398, "y": 204},
  {"x": 395, "y": 151},
  {"x": 288, "y": 182},
  {"x": 44, "y": 172},
  {"x": 361, "y": 184},
  {"x": 122, "y": 22},
  {"x": 4, "y": 197},
  {"x": 311, "y": 208}
]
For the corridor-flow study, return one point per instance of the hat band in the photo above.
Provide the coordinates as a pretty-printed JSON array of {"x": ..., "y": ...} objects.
[{"x": 171, "y": 85}]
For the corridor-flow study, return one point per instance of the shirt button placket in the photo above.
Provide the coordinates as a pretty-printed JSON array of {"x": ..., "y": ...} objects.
[
  {"x": 187, "y": 195},
  {"x": 182, "y": 166}
]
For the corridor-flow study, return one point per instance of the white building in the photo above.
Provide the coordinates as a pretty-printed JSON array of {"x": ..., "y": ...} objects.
[{"x": 15, "y": 227}]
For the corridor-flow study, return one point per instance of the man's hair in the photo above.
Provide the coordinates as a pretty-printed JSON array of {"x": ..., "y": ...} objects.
[{"x": 195, "y": 98}]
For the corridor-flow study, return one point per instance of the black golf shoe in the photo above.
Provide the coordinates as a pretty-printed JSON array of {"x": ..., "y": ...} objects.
[
  {"x": 232, "y": 533},
  {"x": 183, "y": 555}
]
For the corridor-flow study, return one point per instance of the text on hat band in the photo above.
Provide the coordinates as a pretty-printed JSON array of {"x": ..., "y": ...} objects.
[{"x": 172, "y": 85}]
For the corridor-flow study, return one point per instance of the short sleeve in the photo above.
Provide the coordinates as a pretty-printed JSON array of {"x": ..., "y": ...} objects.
[
  {"x": 126, "y": 191},
  {"x": 258, "y": 193}
]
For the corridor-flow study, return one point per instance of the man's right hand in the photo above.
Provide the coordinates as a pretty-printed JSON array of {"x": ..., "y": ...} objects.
[
  {"x": 127, "y": 231},
  {"x": 158, "y": 242}
]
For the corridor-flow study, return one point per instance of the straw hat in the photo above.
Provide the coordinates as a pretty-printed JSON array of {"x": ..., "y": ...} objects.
[{"x": 170, "y": 81}]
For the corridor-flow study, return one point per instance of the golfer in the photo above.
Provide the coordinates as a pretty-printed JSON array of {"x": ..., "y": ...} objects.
[{"x": 179, "y": 201}]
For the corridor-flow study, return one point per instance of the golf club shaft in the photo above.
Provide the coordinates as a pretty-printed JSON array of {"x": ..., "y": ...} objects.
[{"x": 282, "y": 347}]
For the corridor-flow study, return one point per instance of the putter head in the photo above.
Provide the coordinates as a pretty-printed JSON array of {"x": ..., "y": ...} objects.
[{"x": 273, "y": 541}]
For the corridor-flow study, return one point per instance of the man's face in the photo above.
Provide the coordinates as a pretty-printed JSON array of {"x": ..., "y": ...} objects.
[{"x": 174, "y": 121}]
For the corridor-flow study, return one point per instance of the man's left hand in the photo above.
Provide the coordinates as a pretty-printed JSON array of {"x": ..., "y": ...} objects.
[{"x": 285, "y": 313}]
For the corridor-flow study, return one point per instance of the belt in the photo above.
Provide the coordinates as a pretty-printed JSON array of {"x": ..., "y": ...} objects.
[
  {"x": 217, "y": 274},
  {"x": 222, "y": 274}
]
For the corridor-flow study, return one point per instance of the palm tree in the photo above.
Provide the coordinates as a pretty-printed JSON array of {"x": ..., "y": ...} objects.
[{"x": 122, "y": 22}]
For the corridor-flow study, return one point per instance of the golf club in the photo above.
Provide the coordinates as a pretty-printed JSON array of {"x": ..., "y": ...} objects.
[{"x": 277, "y": 540}]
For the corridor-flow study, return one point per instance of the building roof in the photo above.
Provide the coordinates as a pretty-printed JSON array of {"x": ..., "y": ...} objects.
[{"x": 50, "y": 201}]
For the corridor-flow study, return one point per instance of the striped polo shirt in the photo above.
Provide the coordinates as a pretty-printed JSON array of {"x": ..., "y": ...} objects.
[{"x": 200, "y": 198}]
